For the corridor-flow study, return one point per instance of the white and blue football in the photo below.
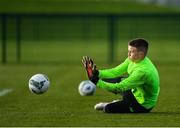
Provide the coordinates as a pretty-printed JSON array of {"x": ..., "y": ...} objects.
[
  {"x": 39, "y": 83},
  {"x": 86, "y": 88}
]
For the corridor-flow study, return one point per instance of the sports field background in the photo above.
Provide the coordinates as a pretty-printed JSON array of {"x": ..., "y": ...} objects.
[{"x": 56, "y": 50}]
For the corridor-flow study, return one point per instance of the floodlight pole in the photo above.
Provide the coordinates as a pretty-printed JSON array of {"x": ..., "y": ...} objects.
[
  {"x": 18, "y": 38},
  {"x": 4, "y": 37},
  {"x": 111, "y": 37}
]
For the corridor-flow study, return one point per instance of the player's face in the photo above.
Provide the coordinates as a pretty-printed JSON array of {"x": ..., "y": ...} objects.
[{"x": 134, "y": 54}]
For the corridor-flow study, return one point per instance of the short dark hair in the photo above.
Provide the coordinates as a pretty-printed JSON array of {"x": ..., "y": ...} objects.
[{"x": 140, "y": 43}]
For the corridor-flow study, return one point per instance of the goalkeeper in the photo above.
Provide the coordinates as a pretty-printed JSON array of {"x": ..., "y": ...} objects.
[{"x": 139, "y": 90}]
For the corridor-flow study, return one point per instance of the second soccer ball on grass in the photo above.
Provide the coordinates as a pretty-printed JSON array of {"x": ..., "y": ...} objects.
[{"x": 39, "y": 83}]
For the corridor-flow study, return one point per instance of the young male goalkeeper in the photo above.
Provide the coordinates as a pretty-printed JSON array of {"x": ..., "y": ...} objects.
[{"x": 139, "y": 90}]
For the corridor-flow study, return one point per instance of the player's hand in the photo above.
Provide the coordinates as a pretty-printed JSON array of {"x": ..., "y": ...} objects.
[
  {"x": 89, "y": 65},
  {"x": 91, "y": 69}
]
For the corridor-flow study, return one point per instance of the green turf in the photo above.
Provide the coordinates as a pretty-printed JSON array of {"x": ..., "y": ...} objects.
[
  {"x": 55, "y": 47},
  {"x": 63, "y": 106}
]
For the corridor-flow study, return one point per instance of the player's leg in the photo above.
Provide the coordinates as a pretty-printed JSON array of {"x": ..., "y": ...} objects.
[
  {"x": 134, "y": 105},
  {"x": 101, "y": 106},
  {"x": 117, "y": 107},
  {"x": 128, "y": 105}
]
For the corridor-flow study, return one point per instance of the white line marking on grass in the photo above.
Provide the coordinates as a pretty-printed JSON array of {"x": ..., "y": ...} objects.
[{"x": 5, "y": 91}]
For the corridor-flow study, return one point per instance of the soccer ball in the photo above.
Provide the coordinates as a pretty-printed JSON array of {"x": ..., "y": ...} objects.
[
  {"x": 39, "y": 83},
  {"x": 86, "y": 88}
]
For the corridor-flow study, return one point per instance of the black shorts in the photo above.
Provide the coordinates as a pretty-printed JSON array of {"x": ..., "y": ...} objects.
[{"x": 127, "y": 105}]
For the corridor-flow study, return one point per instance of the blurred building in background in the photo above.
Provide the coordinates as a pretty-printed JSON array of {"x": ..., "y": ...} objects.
[{"x": 162, "y": 2}]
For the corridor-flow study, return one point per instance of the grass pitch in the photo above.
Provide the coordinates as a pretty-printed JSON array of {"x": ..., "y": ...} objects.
[{"x": 63, "y": 106}]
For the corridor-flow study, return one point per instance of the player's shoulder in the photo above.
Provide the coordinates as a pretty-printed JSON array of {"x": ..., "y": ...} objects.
[{"x": 127, "y": 60}]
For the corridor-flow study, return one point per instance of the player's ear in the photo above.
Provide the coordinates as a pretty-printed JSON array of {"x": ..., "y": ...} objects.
[{"x": 142, "y": 54}]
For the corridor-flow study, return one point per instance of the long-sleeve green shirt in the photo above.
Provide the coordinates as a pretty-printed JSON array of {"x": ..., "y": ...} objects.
[{"x": 143, "y": 80}]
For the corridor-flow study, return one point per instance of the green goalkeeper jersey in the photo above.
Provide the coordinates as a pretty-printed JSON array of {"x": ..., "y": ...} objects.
[{"x": 142, "y": 80}]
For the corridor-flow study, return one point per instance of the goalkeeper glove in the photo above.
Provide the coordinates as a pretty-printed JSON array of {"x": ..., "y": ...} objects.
[{"x": 91, "y": 69}]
